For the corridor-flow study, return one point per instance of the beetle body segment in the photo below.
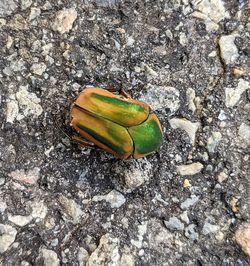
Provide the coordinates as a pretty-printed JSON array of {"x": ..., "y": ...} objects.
[
  {"x": 104, "y": 133},
  {"x": 123, "y": 127},
  {"x": 112, "y": 107},
  {"x": 146, "y": 143}
]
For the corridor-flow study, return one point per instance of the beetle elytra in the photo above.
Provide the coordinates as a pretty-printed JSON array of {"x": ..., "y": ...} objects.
[{"x": 115, "y": 123}]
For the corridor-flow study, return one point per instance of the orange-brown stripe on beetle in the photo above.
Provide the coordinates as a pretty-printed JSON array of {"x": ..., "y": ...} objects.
[{"x": 116, "y": 123}]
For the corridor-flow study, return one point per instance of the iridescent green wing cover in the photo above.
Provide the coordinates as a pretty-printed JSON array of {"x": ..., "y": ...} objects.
[
  {"x": 106, "y": 134},
  {"x": 125, "y": 112},
  {"x": 147, "y": 136}
]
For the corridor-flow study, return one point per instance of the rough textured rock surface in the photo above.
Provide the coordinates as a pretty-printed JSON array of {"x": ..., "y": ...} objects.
[{"x": 187, "y": 203}]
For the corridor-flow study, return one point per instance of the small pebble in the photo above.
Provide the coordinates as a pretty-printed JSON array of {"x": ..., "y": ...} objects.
[
  {"x": 222, "y": 176},
  {"x": 189, "y": 169},
  {"x": 237, "y": 72},
  {"x": 7, "y": 237},
  {"x": 189, "y": 202},
  {"x": 64, "y": 20},
  {"x": 49, "y": 257},
  {"x": 186, "y": 183},
  {"x": 229, "y": 51},
  {"x": 242, "y": 237},
  {"x": 191, "y": 233},
  {"x": 233, "y": 95},
  {"x": 174, "y": 224},
  {"x": 209, "y": 228},
  {"x": 190, "y": 127}
]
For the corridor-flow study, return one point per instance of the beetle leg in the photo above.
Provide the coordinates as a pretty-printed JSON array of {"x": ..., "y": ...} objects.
[
  {"x": 112, "y": 90},
  {"x": 83, "y": 142},
  {"x": 125, "y": 94},
  {"x": 121, "y": 92}
]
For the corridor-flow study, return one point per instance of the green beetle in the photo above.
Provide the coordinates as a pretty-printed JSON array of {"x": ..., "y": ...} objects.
[{"x": 116, "y": 123}]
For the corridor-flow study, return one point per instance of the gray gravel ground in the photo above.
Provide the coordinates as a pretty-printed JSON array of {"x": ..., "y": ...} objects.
[{"x": 186, "y": 204}]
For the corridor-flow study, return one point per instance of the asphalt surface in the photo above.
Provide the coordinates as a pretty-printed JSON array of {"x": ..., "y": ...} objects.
[{"x": 185, "y": 204}]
